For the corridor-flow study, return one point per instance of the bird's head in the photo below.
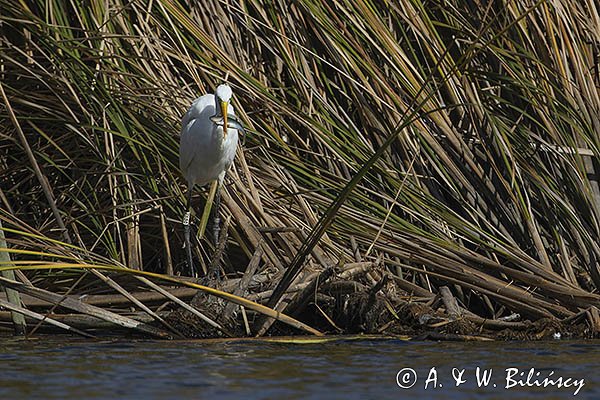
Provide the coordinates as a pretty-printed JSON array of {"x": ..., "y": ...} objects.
[{"x": 223, "y": 97}]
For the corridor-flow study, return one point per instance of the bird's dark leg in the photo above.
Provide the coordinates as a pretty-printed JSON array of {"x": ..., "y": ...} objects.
[
  {"x": 216, "y": 222},
  {"x": 186, "y": 232},
  {"x": 215, "y": 215}
]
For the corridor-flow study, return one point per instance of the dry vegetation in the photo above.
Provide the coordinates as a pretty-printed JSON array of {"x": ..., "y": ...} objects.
[{"x": 409, "y": 165}]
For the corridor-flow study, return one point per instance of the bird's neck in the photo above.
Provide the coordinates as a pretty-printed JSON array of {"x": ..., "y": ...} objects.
[{"x": 217, "y": 107}]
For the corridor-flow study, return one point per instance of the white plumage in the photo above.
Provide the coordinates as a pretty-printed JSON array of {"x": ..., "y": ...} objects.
[
  {"x": 205, "y": 153},
  {"x": 209, "y": 137}
]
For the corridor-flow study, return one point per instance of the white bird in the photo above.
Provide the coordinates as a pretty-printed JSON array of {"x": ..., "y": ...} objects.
[{"x": 207, "y": 150}]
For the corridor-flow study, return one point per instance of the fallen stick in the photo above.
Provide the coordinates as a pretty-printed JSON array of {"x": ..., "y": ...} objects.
[
  {"x": 81, "y": 307},
  {"x": 111, "y": 299},
  {"x": 452, "y": 308},
  {"x": 40, "y": 317}
]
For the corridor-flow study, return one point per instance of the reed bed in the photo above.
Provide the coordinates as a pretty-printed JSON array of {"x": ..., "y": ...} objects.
[{"x": 402, "y": 160}]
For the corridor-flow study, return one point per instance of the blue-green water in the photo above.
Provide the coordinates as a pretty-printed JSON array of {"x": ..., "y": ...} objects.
[{"x": 77, "y": 369}]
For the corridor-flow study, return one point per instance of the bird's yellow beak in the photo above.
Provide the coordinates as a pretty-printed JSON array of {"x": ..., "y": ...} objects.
[{"x": 224, "y": 105}]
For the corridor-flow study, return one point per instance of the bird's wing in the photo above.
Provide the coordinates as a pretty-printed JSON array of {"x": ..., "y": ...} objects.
[
  {"x": 196, "y": 109},
  {"x": 194, "y": 125}
]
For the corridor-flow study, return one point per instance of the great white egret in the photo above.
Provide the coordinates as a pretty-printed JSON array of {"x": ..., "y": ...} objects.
[{"x": 206, "y": 151}]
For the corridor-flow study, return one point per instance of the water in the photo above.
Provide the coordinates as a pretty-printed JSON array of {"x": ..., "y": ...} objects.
[{"x": 79, "y": 369}]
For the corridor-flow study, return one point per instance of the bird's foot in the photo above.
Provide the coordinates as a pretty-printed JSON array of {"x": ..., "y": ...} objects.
[{"x": 213, "y": 277}]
